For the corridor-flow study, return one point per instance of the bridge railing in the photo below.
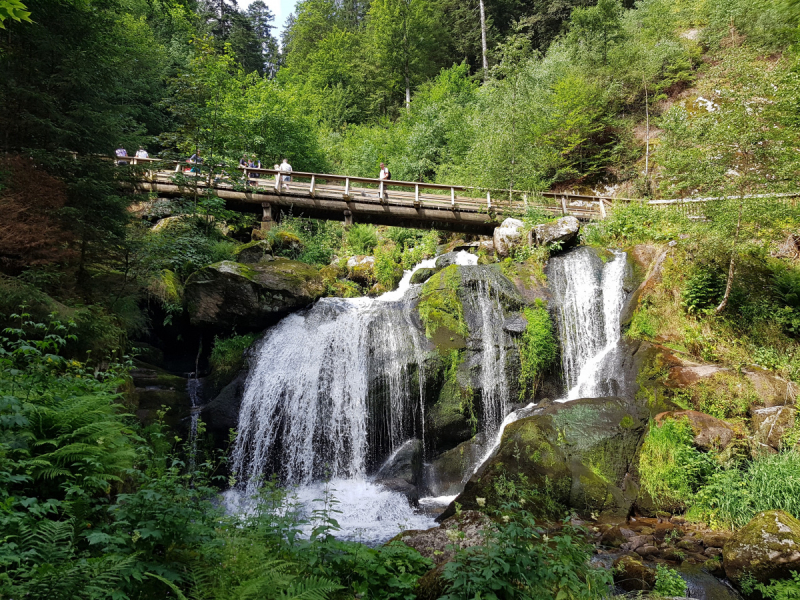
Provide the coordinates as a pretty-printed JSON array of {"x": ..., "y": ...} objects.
[{"x": 411, "y": 193}]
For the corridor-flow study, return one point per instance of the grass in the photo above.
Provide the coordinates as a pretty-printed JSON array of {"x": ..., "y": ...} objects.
[
  {"x": 671, "y": 468},
  {"x": 732, "y": 497},
  {"x": 538, "y": 349}
]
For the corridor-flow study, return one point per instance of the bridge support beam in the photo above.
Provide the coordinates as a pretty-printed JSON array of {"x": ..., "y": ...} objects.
[
  {"x": 348, "y": 219},
  {"x": 266, "y": 216}
]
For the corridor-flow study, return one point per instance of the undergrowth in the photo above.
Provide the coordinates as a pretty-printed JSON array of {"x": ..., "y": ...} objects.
[{"x": 538, "y": 349}]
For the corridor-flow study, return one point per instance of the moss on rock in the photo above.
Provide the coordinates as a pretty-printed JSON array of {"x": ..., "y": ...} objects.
[
  {"x": 579, "y": 454},
  {"x": 767, "y": 548},
  {"x": 441, "y": 310}
]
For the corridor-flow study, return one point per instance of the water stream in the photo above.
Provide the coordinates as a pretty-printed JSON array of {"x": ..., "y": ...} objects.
[
  {"x": 336, "y": 390},
  {"x": 332, "y": 393}
]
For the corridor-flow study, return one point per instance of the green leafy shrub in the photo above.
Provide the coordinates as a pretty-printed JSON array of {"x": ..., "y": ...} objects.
[
  {"x": 671, "y": 468},
  {"x": 518, "y": 561},
  {"x": 781, "y": 589},
  {"x": 227, "y": 358},
  {"x": 386, "y": 268},
  {"x": 703, "y": 291},
  {"x": 362, "y": 238},
  {"x": 669, "y": 582},
  {"x": 538, "y": 348}
]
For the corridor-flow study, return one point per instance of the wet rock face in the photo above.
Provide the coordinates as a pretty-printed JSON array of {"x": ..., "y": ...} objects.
[
  {"x": 422, "y": 275},
  {"x": 564, "y": 231},
  {"x": 222, "y": 413},
  {"x": 403, "y": 472},
  {"x": 581, "y": 454},
  {"x": 768, "y": 547},
  {"x": 249, "y": 297},
  {"x": 709, "y": 432}
]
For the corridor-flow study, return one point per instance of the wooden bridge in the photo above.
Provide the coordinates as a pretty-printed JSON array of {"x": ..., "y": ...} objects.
[
  {"x": 366, "y": 200},
  {"x": 361, "y": 199}
]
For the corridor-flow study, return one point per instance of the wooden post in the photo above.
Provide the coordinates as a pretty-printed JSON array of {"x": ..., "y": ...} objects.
[
  {"x": 381, "y": 192},
  {"x": 246, "y": 176},
  {"x": 277, "y": 182},
  {"x": 525, "y": 199},
  {"x": 416, "y": 195},
  {"x": 346, "y": 189},
  {"x": 564, "y": 205},
  {"x": 266, "y": 216},
  {"x": 348, "y": 218},
  {"x": 311, "y": 190},
  {"x": 602, "y": 208},
  {"x": 489, "y": 199},
  {"x": 452, "y": 197}
]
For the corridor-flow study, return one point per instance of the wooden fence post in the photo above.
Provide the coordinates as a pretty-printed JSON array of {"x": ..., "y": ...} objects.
[
  {"x": 602, "y": 208},
  {"x": 416, "y": 195},
  {"x": 346, "y": 188},
  {"x": 563, "y": 204},
  {"x": 452, "y": 197},
  {"x": 489, "y": 200},
  {"x": 312, "y": 190}
]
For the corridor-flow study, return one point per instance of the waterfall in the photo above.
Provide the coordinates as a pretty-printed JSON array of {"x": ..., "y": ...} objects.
[
  {"x": 193, "y": 385},
  {"x": 588, "y": 296}
]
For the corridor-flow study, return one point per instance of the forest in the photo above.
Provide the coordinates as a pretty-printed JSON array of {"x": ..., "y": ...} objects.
[{"x": 107, "y": 491}]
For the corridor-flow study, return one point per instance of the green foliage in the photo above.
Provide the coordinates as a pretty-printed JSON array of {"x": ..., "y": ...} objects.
[
  {"x": 518, "y": 561},
  {"x": 14, "y": 10},
  {"x": 703, "y": 291},
  {"x": 538, "y": 349},
  {"x": 307, "y": 240},
  {"x": 671, "y": 468},
  {"x": 733, "y": 496},
  {"x": 781, "y": 589},
  {"x": 387, "y": 272},
  {"x": 227, "y": 358},
  {"x": 669, "y": 582},
  {"x": 439, "y": 305},
  {"x": 362, "y": 239}
]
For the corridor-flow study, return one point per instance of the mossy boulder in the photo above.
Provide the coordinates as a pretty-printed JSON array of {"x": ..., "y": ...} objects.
[
  {"x": 422, "y": 275},
  {"x": 767, "y": 548},
  {"x": 229, "y": 295},
  {"x": 445, "y": 474},
  {"x": 772, "y": 424},
  {"x": 631, "y": 574},
  {"x": 579, "y": 454},
  {"x": 254, "y": 252},
  {"x": 361, "y": 269}
]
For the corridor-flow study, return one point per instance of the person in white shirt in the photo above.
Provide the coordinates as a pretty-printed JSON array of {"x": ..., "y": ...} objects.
[
  {"x": 142, "y": 153},
  {"x": 287, "y": 169},
  {"x": 384, "y": 174}
]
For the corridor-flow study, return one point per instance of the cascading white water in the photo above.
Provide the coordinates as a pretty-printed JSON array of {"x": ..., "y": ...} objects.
[
  {"x": 193, "y": 385},
  {"x": 329, "y": 395},
  {"x": 588, "y": 296},
  {"x": 494, "y": 393}
]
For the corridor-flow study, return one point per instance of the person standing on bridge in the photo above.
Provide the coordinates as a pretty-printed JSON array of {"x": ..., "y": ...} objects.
[
  {"x": 121, "y": 153},
  {"x": 142, "y": 153},
  {"x": 286, "y": 169},
  {"x": 385, "y": 174}
]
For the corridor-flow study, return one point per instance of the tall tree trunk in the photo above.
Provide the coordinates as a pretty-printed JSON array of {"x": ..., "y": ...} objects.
[
  {"x": 732, "y": 266},
  {"x": 483, "y": 40}
]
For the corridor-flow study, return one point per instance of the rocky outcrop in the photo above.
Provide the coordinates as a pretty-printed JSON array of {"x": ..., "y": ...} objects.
[
  {"x": 361, "y": 269},
  {"x": 444, "y": 476},
  {"x": 580, "y": 454},
  {"x": 254, "y": 252},
  {"x": 507, "y": 236},
  {"x": 402, "y": 472},
  {"x": 422, "y": 275},
  {"x": 564, "y": 231},
  {"x": 631, "y": 574},
  {"x": 709, "y": 432},
  {"x": 767, "y": 548},
  {"x": 437, "y": 544},
  {"x": 222, "y": 413},
  {"x": 249, "y": 297},
  {"x": 772, "y": 423}
]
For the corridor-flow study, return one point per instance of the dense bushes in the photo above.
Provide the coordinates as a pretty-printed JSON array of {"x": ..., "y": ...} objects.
[
  {"x": 517, "y": 560},
  {"x": 538, "y": 349}
]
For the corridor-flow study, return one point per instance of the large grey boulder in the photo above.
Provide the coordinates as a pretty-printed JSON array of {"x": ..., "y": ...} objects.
[
  {"x": 229, "y": 295},
  {"x": 767, "y": 548},
  {"x": 254, "y": 252},
  {"x": 772, "y": 423},
  {"x": 564, "y": 232},
  {"x": 507, "y": 236},
  {"x": 578, "y": 454},
  {"x": 402, "y": 472}
]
